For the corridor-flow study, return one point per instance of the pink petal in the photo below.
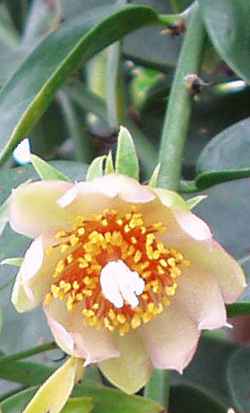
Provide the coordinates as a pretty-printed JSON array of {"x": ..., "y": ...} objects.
[
  {"x": 132, "y": 370},
  {"x": 171, "y": 338},
  {"x": 199, "y": 295},
  {"x": 192, "y": 225},
  {"x": 105, "y": 192},
  {"x": 77, "y": 339},
  {"x": 212, "y": 258},
  {"x": 35, "y": 275},
  {"x": 34, "y": 210}
]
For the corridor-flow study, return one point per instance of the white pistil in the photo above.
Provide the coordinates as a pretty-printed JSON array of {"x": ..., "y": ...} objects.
[{"x": 120, "y": 285}]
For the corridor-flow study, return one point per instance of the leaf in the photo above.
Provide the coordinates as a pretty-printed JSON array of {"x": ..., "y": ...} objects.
[
  {"x": 27, "y": 94},
  {"x": 190, "y": 399},
  {"x": 227, "y": 151},
  {"x": 126, "y": 162},
  {"x": 227, "y": 25},
  {"x": 192, "y": 202},
  {"x": 15, "y": 262},
  {"x": 105, "y": 399},
  {"x": 238, "y": 374},
  {"x": 46, "y": 171},
  {"x": 207, "y": 179},
  {"x": 55, "y": 392},
  {"x": 78, "y": 405},
  {"x": 158, "y": 387},
  {"x": 109, "y": 166},
  {"x": 26, "y": 373},
  {"x": 154, "y": 178},
  {"x": 96, "y": 168}
]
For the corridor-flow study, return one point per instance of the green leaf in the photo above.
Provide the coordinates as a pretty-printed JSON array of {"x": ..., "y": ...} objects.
[
  {"x": 193, "y": 202},
  {"x": 96, "y": 168},
  {"x": 46, "y": 171},
  {"x": 227, "y": 151},
  {"x": 191, "y": 399},
  {"x": 109, "y": 166},
  {"x": 78, "y": 405},
  {"x": 15, "y": 262},
  {"x": 158, "y": 387},
  {"x": 227, "y": 22},
  {"x": 26, "y": 373},
  {"x": 154, "y": 178},
  {"x": 28, "y": 93},
  {"x": 238, "y": 374},
  {"x": 126, "y": 162},
  {"x": 208, "y": 179}
]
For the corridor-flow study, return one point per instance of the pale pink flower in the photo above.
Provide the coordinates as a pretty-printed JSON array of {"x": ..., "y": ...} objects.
[{"x": 127, "y": 275}]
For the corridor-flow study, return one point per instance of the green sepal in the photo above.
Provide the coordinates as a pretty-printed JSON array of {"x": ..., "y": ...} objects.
[
  {"x": 126, "y": 162},
  {"x": 15, "y": 261},
  {"x": 154, "y": 178},
  {"x": 109, "y": 165},
  {"x": 46, "y": 171},
  {"x": 95, "y": 169},
  {"x": 193, "y": 202}
]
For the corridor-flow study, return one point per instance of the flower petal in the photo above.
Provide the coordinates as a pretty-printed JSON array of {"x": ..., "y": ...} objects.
[
  {"x": 198, "y": 293},
  {"x": 35, "y": 275},
  {"x": 213, "y": 259},
  {"x": 105, "y": 192},
  {"x": 34, "y": 210},
  {"x": 171, "y": 338},
  {"x": 55, "y": 392},
  {"x": 132, "y": 370},
  {"x": 77, "y": 339}
]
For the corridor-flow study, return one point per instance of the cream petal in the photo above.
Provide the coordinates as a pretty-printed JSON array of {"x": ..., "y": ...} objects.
[
  {"x": 35, "y": 275},
  {"x": 132, "y": 370},
  {"x": 77, "y": 339},
  {"x": 192, "y": 225},
  {"x": 199, "y": 295},
  {"x": 171, "y": 338},
  {"x": 34, "y": 210},
  {"x": 210, "y": 257},
  {"x": 105, "y": 192}
]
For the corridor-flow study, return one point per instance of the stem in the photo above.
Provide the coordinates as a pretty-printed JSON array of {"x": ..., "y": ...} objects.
[
  {"x": 180, "y": 102},
  {"x": 28, "y": 353},
  {"x": 158, "y": 387}
]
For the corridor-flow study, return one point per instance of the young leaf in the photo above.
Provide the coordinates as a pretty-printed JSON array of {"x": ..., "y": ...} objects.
[
  {"x": 55, "y": 392},
  {"x": 95, "y": 168},
  {"x": 46, "y": 171},
  {"x": 154, "y": 178},
  {"x": 192, "y": 202},
  {"x": 109, "y": 166},
  {"x": 4, "y": 215},
  {"x": 126, "y": 162}
]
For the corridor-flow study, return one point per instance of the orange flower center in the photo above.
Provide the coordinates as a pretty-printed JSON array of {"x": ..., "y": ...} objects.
[{"x": 115, "y": 270}]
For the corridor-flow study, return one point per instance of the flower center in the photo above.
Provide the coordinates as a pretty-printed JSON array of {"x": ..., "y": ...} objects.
[{"x": 115, "y": 270}]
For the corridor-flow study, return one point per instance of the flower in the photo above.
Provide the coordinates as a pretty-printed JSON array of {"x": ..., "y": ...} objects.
[{"x": 127, "y": 275}]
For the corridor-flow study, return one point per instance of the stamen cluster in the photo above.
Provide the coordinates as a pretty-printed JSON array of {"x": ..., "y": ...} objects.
[{"x": 106, "y": 237}]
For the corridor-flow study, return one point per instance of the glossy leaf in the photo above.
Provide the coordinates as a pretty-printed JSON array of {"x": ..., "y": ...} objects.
[
  {"x": 229, "y": 150},
  {"x": 208, "y": 179},
  {"x": 47, "y": 171},
  {"x": 227, "y": 22},
  {"x": 95, "y": 169},
  {"x": 126, "y": 161},
  {"x": 28, "y": 94},
  {"x": 190, "y": 399},
  {"x": 78, "y": 405},
  {"x": 54, "y": 393},
  {"x": 158, "y": 387},
  {"x": 239, "y": 378}
]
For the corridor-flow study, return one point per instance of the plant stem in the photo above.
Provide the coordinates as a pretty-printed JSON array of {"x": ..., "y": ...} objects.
[
  {"x": 180, "y": 102},
  {"x": 28, "y": 353}
]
